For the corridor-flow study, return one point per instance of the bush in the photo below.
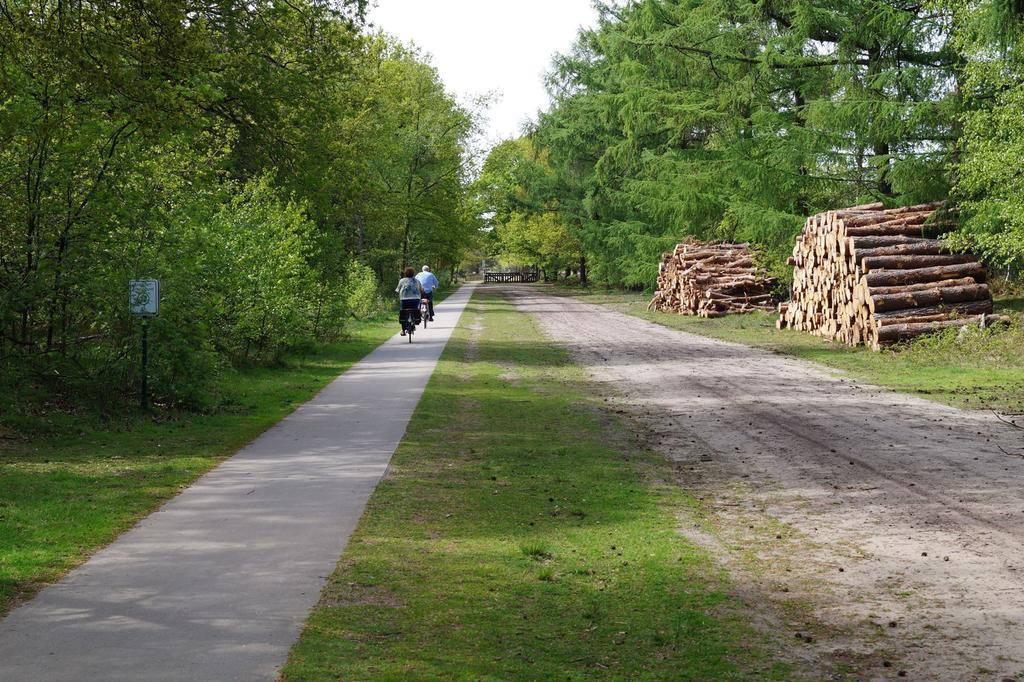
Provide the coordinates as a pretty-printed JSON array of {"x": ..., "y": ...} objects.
[
  {"x": 262, "y": 295},
  {"x": 364, "y": 298},
  {"x": 237, "y": 283}
]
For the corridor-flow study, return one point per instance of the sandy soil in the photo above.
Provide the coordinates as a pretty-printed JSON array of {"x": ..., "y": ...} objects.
[{"x": 881, "y": 533}]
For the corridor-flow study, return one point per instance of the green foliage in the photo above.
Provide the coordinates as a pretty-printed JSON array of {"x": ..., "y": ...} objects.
[
  {"x": 260, "y": 287},
  {"x": 517, "y": 189},
  {"x": 990, "y": 184},
  {"x": 412, "y": 144},
  {"x": 244, "y": 154},
  {"x": 990, "y": 187},
  {"x": 723, "y": 119},
  {"x": 1002, "y": 19},
  {"x": 363, "y": 295}
]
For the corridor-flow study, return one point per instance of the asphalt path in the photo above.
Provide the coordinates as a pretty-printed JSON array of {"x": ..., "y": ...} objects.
[{"x": 217, "y": 584}]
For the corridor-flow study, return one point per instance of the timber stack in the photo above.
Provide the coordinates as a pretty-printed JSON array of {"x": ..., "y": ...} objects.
[
  {"x": 711, "y": 280},
  {"x": 869, "y": 275}
]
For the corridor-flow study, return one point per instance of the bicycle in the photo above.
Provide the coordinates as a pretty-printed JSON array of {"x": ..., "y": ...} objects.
[
  {"x": 408, "y": 321},
  {"x": 425, "y": 311}
]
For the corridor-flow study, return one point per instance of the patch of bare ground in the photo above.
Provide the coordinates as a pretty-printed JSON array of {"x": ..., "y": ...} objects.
[
  {"x": 509, "y": 376},
  {"x": 476, "y": 328},
  {"x": 362, "y": 595},
  {"x": 878, "y": 534}
]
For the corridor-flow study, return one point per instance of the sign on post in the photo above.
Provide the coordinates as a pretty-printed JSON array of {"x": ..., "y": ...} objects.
[
  {"x": 144, "y": 297},
  {"x": 144, "y": 301}
]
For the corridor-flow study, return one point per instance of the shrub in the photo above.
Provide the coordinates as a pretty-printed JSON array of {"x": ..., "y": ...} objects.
[
  {"x": 997, "y": 346},
  {"x": 364, "y": 293}
]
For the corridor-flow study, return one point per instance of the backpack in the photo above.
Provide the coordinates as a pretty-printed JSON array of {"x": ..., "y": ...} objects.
[{"x": 408, "y": 288}]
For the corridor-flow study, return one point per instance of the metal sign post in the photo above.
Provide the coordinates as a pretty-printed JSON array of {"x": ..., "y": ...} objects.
[
  {"x": 144, "y": 302},
  {"x": 144, "y": 400}
]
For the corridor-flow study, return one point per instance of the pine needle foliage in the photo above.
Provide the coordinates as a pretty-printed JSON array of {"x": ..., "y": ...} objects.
[{"x": 732, "y": 119}]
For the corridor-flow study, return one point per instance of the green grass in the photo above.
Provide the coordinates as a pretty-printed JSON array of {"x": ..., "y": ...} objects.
[
  {"x": 979, "y": 370},
  {"x": 520, "y": 536},
  {"x": 1010, "y": 305},
  {"x": 76, "y": 482}
]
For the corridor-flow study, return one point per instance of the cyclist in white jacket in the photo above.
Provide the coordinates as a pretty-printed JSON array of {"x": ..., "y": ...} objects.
[{"x": 409, "y": 294}]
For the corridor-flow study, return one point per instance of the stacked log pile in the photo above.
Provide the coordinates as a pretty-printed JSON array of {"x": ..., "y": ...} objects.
[
  {"x": 711, "y": 280},
  {"x": 868, "y": 275}
]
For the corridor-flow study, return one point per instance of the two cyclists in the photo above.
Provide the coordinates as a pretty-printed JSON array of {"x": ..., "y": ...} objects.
[{"x": 412, "y": 289}]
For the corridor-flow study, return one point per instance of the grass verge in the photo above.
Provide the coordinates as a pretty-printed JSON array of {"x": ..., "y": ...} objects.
[
  {"x": 66, "y": 493},
  {"x": 519, "y": 536},
  {"x": 977, "y": 370}
]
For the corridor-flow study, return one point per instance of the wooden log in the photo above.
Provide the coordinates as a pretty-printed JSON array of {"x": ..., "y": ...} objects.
[
  {"x": 942, "y": 311},
  {"x": 922, "y": 298},
  {"x": 883, "y": 291},
  {"x": 711, "y": 261},
  {"x": 886, "y": 336},
  {"x": 724, "y": 279},
  {"x": 715, "y": 296},
  {"x": 930, "y": 206},
  {"x": 881, "y": 220},
  {"x": 886, "y": 230},
  {"x": 916, "y": 319},
  {"x": 888, "y": 278},
  {"x": 863, "y": 208},
  {"x": 700, "y": 278},
  {"x": 914, "y": 261},
  {"x": 897, "y": 228},
  {"x": 836, "y": 259},
  {"x": 878, "y": 241},
  {"x": 727, "y": 246},
  {"x": 929, "y": 247},
  {"x": 891, "y": 213},
  {"x": 699, "y": 271}
]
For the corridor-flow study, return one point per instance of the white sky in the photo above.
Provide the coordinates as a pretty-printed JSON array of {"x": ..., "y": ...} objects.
[{"x": 490, "y": 46}]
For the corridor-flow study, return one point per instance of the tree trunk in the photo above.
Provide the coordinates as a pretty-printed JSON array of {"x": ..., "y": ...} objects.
[
  {"x": 889, "y": 278},
  {"x": 880, "y": 148},
  {"x": 933, "y": 313},
  {"x": 890, "y": 334},
  {"x": 913, "y": 262},
  {"x": 923, "y": 248},
  {"x": 360, "y": 235},
  {"x": 927, "y": 297},
  {"x": 925, "y": 286}
]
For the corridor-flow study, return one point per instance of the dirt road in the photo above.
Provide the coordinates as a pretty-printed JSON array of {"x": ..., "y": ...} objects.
[{"x": 896, "y": 523}]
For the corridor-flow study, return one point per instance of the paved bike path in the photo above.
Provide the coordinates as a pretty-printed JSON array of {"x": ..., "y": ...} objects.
[{"x": 217, "y": 584}]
